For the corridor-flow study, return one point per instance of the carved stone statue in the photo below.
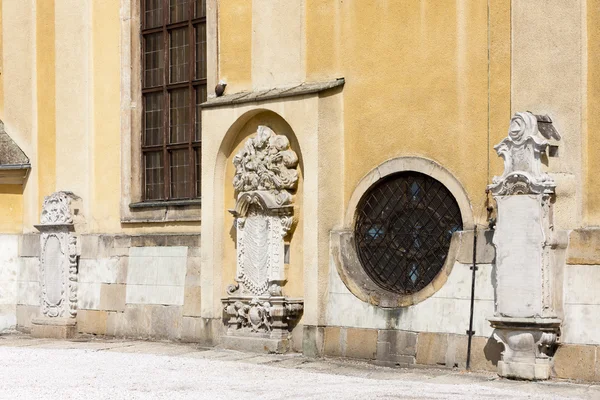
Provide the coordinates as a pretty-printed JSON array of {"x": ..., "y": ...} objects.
[
  {"x": 264, "y": 180},
  {"x": 58, "y": 268},
  {"x": 528, "y": 252}
]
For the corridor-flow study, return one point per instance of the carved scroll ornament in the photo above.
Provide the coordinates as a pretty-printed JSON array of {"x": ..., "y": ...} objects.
[{"x": 528, "y": 137}]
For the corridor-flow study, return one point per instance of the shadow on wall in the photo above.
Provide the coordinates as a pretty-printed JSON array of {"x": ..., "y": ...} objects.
[{"x": 493, "y": 351}]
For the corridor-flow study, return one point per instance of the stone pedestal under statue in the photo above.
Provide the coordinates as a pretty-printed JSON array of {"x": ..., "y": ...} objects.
[
  {"x": 529, "y": 253},
  {"x": 58, "y": 269},
  {"x": 257, "y": 314}
]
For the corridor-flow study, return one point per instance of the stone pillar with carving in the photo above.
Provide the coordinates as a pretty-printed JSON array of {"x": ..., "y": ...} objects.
[
  {"x": 257, "y": 314},
  {"x": 529, "y": 252},
  {"x": 58, "y": 269}
]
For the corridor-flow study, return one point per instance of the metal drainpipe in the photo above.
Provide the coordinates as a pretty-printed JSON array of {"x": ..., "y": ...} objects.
[{"x": 470, "y": 332}]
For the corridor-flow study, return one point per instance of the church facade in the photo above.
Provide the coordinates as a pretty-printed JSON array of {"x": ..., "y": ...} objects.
[{"x": 410, "y": 183}]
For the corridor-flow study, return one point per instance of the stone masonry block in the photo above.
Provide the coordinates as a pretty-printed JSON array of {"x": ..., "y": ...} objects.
[
  {"x": 106, "y": 244},
  {"x": 456, "y": 351},
  {"x": 29, "y": 245},
  {"x": 486, "y": 252},
  {"x": 201, "y": 330},
  {"x": 312, "y": 341},
  {"x": 122, "y": 241},
  {"x": 485, "y": 354},
  {"x": 396, "y": 346},
  {"x": 575, "y": 362},
  {"x": 192, "y": 277},
  {"x": 361, "y": 343},
  {"x": 584, "y": 247},
  {"x": 25, "y": 314},
  {"x": 29, "y": 269},
  {"x": 167, "y": 322},
  {"x": 191, "y": 301},
  {"x": 138, "y": 321},
  {"x": 89, "y": 246},
  {"x": 431, "y": 348},
  {"x": 332, "y": 346},
  {"x": 192, "y": 240},
  {"x": 112, "y": 297},
  {"x": 116, "y": 324},
  {"x": 92, "y": 321},
  {"x": 121, "y": 273}
]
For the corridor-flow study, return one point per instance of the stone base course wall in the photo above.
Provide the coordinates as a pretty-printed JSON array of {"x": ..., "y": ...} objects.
[
  {"x": 143, "y": 286},
  {"x": 148, "y": 286}
]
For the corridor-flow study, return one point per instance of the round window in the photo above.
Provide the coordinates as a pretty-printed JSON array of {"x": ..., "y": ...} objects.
[{"x": 404, "y": 224}]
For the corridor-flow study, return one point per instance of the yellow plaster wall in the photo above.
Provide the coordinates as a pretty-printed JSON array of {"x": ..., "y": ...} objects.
[
  {"x": 19, "y": 205},
  {"x": 11, "y": 196},
  {"x": 235, "y": 44},
  {"x": 416, "y": 82},
  {"x": 592, "y": 206},
  {"x": 106, "y": 78},
  {"x": 46, "y": 97},
  {"x": 11, "y": 208},
  {"x": 294, "y": 271}
]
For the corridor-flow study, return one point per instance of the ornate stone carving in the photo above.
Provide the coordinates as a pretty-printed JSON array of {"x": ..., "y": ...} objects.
[
  {"x": 528, "y": 252},
  {"x": 527, "y": 139},
  {"x": 57, "y": 209},
  {"x": 58, "y": 258},
  {"x": 265, "y": 179}
]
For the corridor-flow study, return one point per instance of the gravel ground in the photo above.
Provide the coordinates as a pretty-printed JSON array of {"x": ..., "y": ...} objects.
[{"x": 43, "y": 369}]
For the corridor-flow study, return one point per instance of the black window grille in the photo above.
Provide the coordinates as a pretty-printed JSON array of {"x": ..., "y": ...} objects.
[{"x": 404, "y": 224}]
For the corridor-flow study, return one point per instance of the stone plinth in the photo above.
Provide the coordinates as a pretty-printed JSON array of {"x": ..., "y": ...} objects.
[{"x": 55, "y": 328}]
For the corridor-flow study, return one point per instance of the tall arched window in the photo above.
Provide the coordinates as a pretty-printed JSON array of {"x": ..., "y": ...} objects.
[{"x": 173, "y": 86}]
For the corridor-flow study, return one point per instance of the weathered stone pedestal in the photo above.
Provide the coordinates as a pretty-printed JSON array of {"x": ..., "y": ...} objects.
[
  {"x": 528, "y": 253},
  {"x": 55, "y": 328},
  {"x": 58, "y": 269},
  {"x": 529, "y": 345},
  {"x": 257, "y": 315}
]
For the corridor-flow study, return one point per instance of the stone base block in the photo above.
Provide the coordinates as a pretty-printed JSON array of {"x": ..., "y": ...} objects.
[
  {"x": 55, "y": 328},
  {"x": 525, "y": 371},
  {"x": 256, "y": 344}
]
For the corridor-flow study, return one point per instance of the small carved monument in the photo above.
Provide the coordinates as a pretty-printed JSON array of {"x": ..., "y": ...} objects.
[
  {"x": 258, "y": 316},
  {"x": 528, "y": 252},
  {"x": 58, "y": 269}
]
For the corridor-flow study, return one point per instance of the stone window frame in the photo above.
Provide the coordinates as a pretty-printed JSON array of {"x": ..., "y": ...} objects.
[
  {"x": 133, "y": 208},
  {"x": 344, "y": 252}
]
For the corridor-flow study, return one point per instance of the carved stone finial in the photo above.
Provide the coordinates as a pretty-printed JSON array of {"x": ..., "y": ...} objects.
[
  {"x": 527, "y": 139},
  {"x": 266, "y": 163},
  {"x": 56, "y": 209}
]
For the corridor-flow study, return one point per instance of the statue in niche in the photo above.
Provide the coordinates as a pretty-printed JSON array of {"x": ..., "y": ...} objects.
[{"x": 265, "y": 178}]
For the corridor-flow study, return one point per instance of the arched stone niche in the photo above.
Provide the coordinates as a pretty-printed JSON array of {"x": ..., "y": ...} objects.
[
  {"x": 294, "y": 270},
  {"x": 286, "y": 294},
  {"x": 344, "y": 252}
]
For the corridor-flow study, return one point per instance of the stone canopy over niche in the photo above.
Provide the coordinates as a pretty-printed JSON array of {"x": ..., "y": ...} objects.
[{"x": 265, "y": 180}]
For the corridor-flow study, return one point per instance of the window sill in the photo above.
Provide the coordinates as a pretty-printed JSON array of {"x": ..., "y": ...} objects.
[{"x": 165, "y": 203}]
